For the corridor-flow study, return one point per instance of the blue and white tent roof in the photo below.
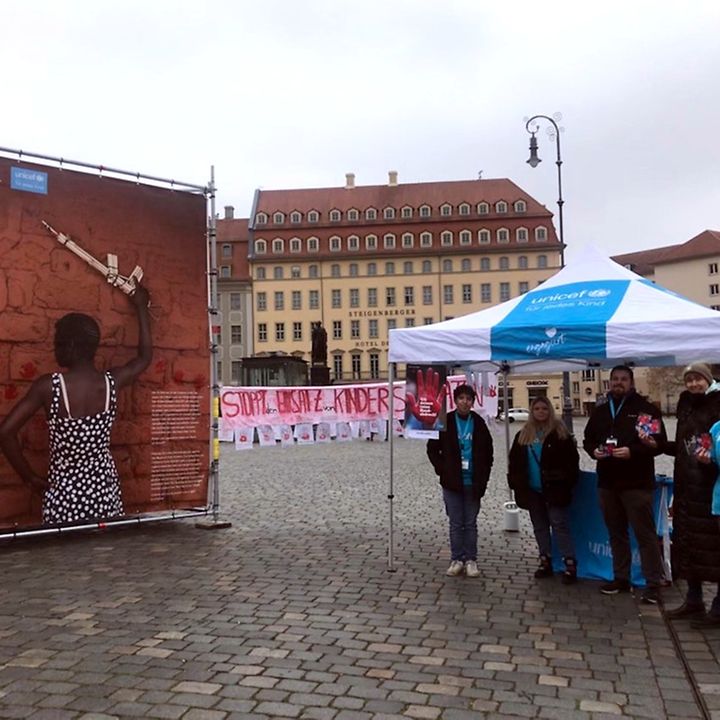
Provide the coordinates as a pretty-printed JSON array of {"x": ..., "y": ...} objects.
[{"x": 592, "y": 312}]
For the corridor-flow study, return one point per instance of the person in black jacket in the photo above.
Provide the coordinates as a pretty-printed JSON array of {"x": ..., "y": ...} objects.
[
  {"x": 542, "y": 472},
  {"x": 696, "y": 536},
  {"x": 626, "y": 480},
  {"x": 462, "y": 457}
]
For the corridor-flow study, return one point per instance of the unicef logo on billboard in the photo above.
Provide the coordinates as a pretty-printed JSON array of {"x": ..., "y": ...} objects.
[{"x": 600, "y": 293}]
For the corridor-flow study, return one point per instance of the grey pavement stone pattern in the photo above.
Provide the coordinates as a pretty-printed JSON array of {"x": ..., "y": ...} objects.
[{"x": 292, "y": 612}]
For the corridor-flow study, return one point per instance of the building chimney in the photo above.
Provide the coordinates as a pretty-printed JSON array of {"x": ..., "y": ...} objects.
[
  {"x": 349, "y": 181},
  {"x": 229, "y": 212},
  {"x": 392, "y": 178}
]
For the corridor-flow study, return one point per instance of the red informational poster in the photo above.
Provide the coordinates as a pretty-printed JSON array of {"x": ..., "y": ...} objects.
[
  {"x": 425, "y": 400},
  {"x": 56, "y": 305}
]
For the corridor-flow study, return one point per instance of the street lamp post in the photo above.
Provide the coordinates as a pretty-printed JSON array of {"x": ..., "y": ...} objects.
[{"x": 534, "y": 161}]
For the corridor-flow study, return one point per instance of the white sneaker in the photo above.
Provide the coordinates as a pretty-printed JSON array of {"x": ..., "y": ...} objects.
[
  {"x": 471, "y": 569},
  {"x": 456, "y": 568}
]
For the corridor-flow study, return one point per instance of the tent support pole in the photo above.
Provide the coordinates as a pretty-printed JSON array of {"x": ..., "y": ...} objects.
[
  {"x": 391, "y": 445},
  {"x": 512, "y": 514}
]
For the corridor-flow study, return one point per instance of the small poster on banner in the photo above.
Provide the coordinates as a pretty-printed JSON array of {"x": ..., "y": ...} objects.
[
  {"x": 364, "y": 429},
  {"x": 380, "y": 432},
  {"x": 425, "y": 401},
  {"x": 266, "y": 435},
  {"x": 304, "y": 434},
  {"x": 286, "y": 436},
  {"x": 354, "y": 429},
  {"x": 322, "y": 433},
  {"x": 333, "y": 429},
  {"x": 244, "y": 438},
  {"x": 397, "y": 428},
  {"x": 226, "y": 434},
  {"x": 344, "y": 434}
]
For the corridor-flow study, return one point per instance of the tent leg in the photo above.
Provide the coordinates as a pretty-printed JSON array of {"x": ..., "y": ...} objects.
[
  {"x": 391, "y": 446},
  {"x": 512, "y": 513}
]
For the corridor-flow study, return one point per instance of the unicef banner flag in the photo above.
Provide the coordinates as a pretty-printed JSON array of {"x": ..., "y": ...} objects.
[{"x": 560, "y": 322}]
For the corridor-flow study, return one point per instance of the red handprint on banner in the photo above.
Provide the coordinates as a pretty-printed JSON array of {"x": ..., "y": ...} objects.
[{"x": 427, "y": 403}]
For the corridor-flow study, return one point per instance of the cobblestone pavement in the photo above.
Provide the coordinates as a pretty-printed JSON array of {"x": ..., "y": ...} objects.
[{"x": 292, "y": 612}]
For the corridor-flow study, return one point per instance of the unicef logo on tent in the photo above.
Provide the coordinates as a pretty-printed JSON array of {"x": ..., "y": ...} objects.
[
  {"x": 600, "y": 293},
  {"x": 551, "y": 332}
]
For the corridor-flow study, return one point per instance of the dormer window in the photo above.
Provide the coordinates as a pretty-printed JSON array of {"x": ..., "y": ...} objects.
[
  {"x": 278, "y": 245},
  {"x": 279, "y": 218},
  {"x": 335, "y": 243},
  {"x": 484, "y": 237},
  {"x": 503, "y": 236},
  {"x": 540, "y": 234},
  {"x": 313, "y": 244},
  {"x": 295, "y": 217},
  {"x": 353, "y": 242},
  {"x": 465, "y": 237},
  {"x": 406, "y": 212},
  {"x": 501, "y": 207},
  {"x": 261, "y": 218},
  {"x": 425, "y": 211},
  {"x": 388, "y": 241},
  {"x": 426, "y": 239},
  {"x": 521, "y": 235},
  {"x": 446, "y": 238},
  {"x": 353, "y": 215},
  {"x": 446, "y": 210},
  {"x": 260, "y": 247},
  {"x": 371, "y": 214},
  {"x": 371, "y": 242},
  {"x": 389, "y": 213},
  {"x": 483, "y": 208},
  {"x": 407, "y": 240},
  {"x": 295, "y": 245},
  {"x": 313, "y": 216},
  {"x": 335, "y": 216},
  {"x": 464, "y": 209},
  {"x": 520, "y": 206}
]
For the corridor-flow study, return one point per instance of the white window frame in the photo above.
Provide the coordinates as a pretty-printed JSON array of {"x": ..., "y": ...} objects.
[
  {"x": 278, "y": 218},
  {"x": 335, "y": 215},
  {"x": 260, "y": 246},
  {"x": 406, "y": 212},
  {"x": 295, "y": 245},
  {"x": 446, "y": 238},
  {"x": 295, "y": 217},
  {"x": 408, "y": 240},
  {"x": 484, "y": 236},
  {"x": 389, "y": 213},
  {"x": 426, "y": 239},
  {"x": 446, "y": 210},
  {"x": 483, "y": 208},
  {"x": 261, "y": 218},
  {"x": 520, "y": 206},
  {"x": 335, "y": 243},
  {"x": 503, "y": 236},
  {"x": 353, "y": 214},
  {"x": 353, "y": 242},
  {"x": 540, "y": 233},
  {"x": 465, "y": 237},
  {"x": 313, "y": 244},
  {"x": 371, "y": 242},
  {"x": 389, "y": 241},
  {"x": 278, "y": 246},
  {"x": 425, "y": 211},
  {"x": 371, "y": 213},
  {"x": 313, "y": 216},
  {"x": 464, "y": 209},
  {"x": 519, "y": 235},
  {"x": 501, "y": 207}
]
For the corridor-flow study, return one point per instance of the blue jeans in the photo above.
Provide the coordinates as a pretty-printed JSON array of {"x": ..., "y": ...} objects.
[
  {"x": 462, "y": 509},
  {"x": 545, "y": 516}
]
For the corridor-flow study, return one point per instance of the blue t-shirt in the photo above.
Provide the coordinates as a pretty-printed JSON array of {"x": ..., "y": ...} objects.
[
  {"x": 465, "y": 432},
  {"x": 534, "y": 453}
]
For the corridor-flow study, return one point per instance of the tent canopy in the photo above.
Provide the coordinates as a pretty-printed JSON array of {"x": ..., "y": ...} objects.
[{"x": 592, "y": 313}]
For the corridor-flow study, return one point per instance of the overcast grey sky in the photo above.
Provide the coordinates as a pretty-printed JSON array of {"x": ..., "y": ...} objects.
[{"x": 291, "y": 93}]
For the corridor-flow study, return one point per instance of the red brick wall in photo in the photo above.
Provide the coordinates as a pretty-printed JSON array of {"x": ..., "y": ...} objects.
[{"x": 160, "y": 439}]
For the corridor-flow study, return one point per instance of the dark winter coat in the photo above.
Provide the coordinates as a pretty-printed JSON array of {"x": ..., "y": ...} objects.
[
  {"x": 558, "y": 470},
  {"x": 444, "y": 454},
  {"x": 696, "y": 536},
  {"x": 638, "y": 471}
]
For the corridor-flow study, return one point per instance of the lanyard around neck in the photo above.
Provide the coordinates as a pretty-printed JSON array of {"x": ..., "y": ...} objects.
[{"x": 613, "y": 412}]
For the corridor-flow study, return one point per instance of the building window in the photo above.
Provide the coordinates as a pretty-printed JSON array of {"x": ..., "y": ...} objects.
[
  {"x": 313, "y": 244},
  {"x": 501, "y": 207},
  {"x": 236, "y": 334},
  {"x": 447, "y": 265},
  {"x": 409, "y": 295},
  {"x": 576, "y": 386},
  {"x": 389, "y": 213},
  {"x": 335, "y": 270},
  {"x": 410, "y": 322},
  {"x": 426, "y": 239},
  {"x": 465, "y": 237},
  {"x": 260, "y": 247},
  {"x": 279, "y": 300},
  {"x": 372, "y": 297},
  {"x": 297, "y": 331},
  {"x": 465, "y": 264},
  {"x": 712, "y": 268},
  {"x": 261, "y": 301},
  {"x": 338, "y": 366},
  {"x": 521, "y": 235},
  {"x": 372, "y": 268},
  {"x": 408, "y": 240},
  {"x": 312, "y": 271},
  {"x": 335, "y": 243},
  {"x": 588, "y": 375},
  {"x": 260, "y": 273},
  {"x": 540, "y": 234},
  {"x": 353, "y": 269},
  {"x": 406, "y": 212},
  {"x": 353, "y": 242},
  {"x": 235, "y": 372},
  {"x": 484, "y": 237},
  {"x": 295, "y": 217},
  {"x": 714, "y": 289},
  {"x": 353, "y": 215},
  {"x": 446, "y": 210},
  {"x": 261, "y": 218},
  {"x": 504, "y": 291},
  {"x": 279, "y": 218},
  {"x": 296, "y": 300},
  {"x": 427, "y": 294},
  {"x": 337, "y": 329},
  {"x": 335, "y": 216},
  {"x": 392, "y": 324},
  {"x": 227, "y": 250},
  {"x": 503, "y": 236},
  {"x": 483, "y": 208},
  {"x": 446, "y": 238},
  {"x": 389, "y": 268},
  {"x": 427, "y": 321},
  {"x": 262, "y": 332},
  {"x": 408, "y": 268},
  {"x": 235, "y": 301},
  {"x": 313, "y": 216},
  {"x": 426, "y": 266},
  {"x": 464, "y": 209},
  {"x": 355, "y": 360},
  {"x": 280, "y": 331},
  {"x": 372, "y": 328},
  {"x": 295, "y": 245},
  {"x": 523, "y": 287},
  {"x": 390, "y": 297},
  {"x": 295, "y": 272},
  {"x": 467, "y": 293},
  {"x": 485, "y": 264},
  {"x": 523, "y": 262},
  {"x": 542, "y": 261},
  {"x": 371, "y": 242},
  {"x": 314, "y": 299},
  {"x": 354, "y": 329},
  {"x": 374, "y": 365},
  {"x": 504, "y": 263},
  {"x": 389, "y": 241},
  {"x": 336, "y": 298},
  {"x": 520, "y": 206},
  {"x": 425, "y": 211},
  {"x": 448, "y": 294},
  {"x": 354, "y": 298},
  {"x": 371, "y": 214},
  {"x": 485, "y": 293}
]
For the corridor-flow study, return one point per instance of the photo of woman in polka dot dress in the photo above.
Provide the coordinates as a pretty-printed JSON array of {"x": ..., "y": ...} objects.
[{"x": 80, "y": 405}]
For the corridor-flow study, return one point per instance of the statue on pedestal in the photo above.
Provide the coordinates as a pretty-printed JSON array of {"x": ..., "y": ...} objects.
[{"x": 318, "y": 352}]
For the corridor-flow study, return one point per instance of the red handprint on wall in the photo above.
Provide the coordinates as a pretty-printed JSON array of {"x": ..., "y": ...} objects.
[{"x": 427, "y": 403}]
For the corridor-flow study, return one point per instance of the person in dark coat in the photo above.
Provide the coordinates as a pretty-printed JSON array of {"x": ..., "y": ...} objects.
[
  {"x": 626, "y": 480},
  {"x": 696, "y": 536},
  {"x": 462, "y": 457},
  {"x": 542, "y": 472}
]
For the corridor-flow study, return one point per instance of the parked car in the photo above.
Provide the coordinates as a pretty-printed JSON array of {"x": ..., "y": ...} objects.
[{"x": 519, "y": 414}]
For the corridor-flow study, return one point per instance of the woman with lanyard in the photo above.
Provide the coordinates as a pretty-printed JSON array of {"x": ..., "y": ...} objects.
[
  {"x": 462, "y": 457},
  {"x": 542, "y": 472}
]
